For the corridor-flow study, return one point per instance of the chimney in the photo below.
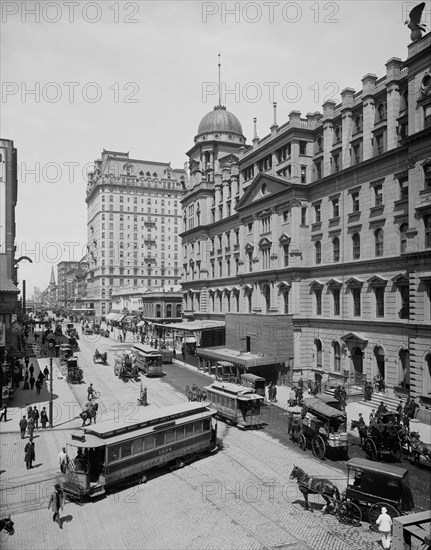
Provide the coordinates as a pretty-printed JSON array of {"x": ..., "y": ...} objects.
[
  {"x": 274, "y": 125},
  {"x": 255, "y": 138}
]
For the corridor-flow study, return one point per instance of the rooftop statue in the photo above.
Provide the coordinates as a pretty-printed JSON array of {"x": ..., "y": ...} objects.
[{"x": 414, "y": 22}]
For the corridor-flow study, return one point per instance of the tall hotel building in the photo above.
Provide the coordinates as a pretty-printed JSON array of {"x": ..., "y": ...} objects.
[
  {"x": 313, "y": 244},
  {"x": 133, "y": 220}
]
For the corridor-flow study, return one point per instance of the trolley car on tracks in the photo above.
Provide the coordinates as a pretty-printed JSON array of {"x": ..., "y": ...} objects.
[
  {"x": 148, "y": 359},
  {"x": 323, "y": 429},
  {"x": 236, "y": 404},
  {"x": 113, "y": 453}
]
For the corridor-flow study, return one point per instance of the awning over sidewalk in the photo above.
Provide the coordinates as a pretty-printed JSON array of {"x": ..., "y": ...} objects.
[
  {"x": 237, "y": 358},
  {"x": 117, "y": 317},
  {"x": 193, "y": 326}
]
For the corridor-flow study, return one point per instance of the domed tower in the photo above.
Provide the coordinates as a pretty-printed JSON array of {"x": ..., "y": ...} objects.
[{"x": 219, "y": 135}]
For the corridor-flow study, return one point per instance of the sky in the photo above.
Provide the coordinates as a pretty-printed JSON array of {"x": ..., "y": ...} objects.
[{"x": 80, "y": 77}]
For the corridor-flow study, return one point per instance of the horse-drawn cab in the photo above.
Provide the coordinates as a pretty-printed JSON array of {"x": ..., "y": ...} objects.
[
  {"x": 371, "y": 486},
  {"x": 65, "y": 353},
  {"x": 294, "y": 421},
  {"x": 323, "y": 428},
  {"x": 74, "y": 373},
  {"x": 384, "y": 436},
  {"x": 103, "y": 357}
]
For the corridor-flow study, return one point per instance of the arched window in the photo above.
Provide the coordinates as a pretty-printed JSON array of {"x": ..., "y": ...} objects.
[
  {"x": 404, "y": 356},
  {"x": 378, "y": 241},
  {"x": 337, "y": 357},
  {"x": 358, "y": 124},
  {"x": 228, "y": 302},
  {"x": 178, "y": 310},
  {"x": 403, "y": 237},
  {"x": 228, "y": 268},
  {"x": 249, "y": 302},
  {"x": 356, "y": 243},
  {"x": 336, "y": 249},
  {"x": 318, "y": 252},
  {"x": 266, "y": 291},
  {"x": 381, "y": 112}
]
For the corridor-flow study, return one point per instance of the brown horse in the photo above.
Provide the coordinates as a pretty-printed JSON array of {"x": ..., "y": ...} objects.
[
  {"x": 7, "y": 525},
  {"x": 362, "y": 429},
  {"x": 89, "y": 414},
  {"x": 418, "y": 448},
  {"x": 316, "y": 485}
]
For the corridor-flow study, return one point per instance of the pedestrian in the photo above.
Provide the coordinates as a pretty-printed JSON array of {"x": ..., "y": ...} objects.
[
  {"x": 406, "y": 422},
  {"x": 384, "y": 521},
  {"x": 26, "y": 361},
  {"x": 46, "y": 372},
  {"x": 3, "y": 412},
  {"x": 90, "y": 392},
  {"x": 26, "y": 385},
  {"x": 300, "y": 383},
  {"x": 361, "y": 420},
  {"x": 31, "y": 369},
  {"x": 120, "y": 338},
  {"x": 183, "y": 352},
  {"x": 63, "y": 460},
  {"x": 400, "y": 408},
  {"x": 413, "y": 407},
  {"x": 337, "y": 393},
  {"x": 343, "y": 398},
  {"x": 274, "y": 393},
  {"x": 43, "y": 417},
  {"x": 30, "y": 454},
  {"x": 36, "y": 416},
  {"x": 30, "y": 426},
  {"x": 372, "y": 417},
  {"x": 23, "y": 426},
  {"x": 174, "y": 353},
  {"x": 56, "y": 503},
  {"x": 29, "y": 411},
  {"x": 38, "y": 386},
  {"x": 270, "y": 391},
  {"x": 145, "y": 397},
  {"x": 32, "y": 381},
  {"x": 382, "y": 409}
]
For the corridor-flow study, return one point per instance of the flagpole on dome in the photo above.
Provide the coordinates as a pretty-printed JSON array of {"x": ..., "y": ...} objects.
[{"x": 219, "y": 79}]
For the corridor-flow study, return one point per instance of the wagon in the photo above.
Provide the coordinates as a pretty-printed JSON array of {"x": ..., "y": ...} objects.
[
  {"x": 74, "y": 373},
  {"x": 384, "y": 438},
  {"x": 372, "y": 485},
  {"x": 323, "y": 429}
]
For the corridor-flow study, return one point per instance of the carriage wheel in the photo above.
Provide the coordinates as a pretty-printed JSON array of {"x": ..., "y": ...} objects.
[
  {"x": 349, "y": 513},
  {"x": 397, "y": 452},
  {"x": 370, "y": 449},
  {"x": 318, "y": 447},
  {"x": 302, "y": 442},
  {"x": 375, "y": 511}
]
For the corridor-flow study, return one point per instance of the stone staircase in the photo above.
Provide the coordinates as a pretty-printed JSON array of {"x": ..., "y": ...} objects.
[{"x": 390, "y": 400}]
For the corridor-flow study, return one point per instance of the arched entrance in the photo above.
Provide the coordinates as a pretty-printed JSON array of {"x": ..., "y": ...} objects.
[
  {"x": 379, "y": 354},
  {"x": 358, "y": 360},
  {"x": 318, "y": 353}
]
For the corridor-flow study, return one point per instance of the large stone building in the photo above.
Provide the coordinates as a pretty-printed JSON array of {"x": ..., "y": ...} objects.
[
  {"x": 66, "y": 284},
  {"x": 319, "y": 234},
  {"x": 8, "y": 274},
  {"x": 133, "y": 217}
]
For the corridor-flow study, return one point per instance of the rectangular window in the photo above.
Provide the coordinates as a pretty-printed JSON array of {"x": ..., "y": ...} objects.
[
  {"x": 160, "y": 439},
  {"x": 378, "y": 195},
  {"x": 355, "y": 201},
  {"x": 379, "y": 293},
  {"x": 336, "y": 208},
  {"x": 403, "y": 189},
  {"x": 427, "y": 227},
  {"x": 336, "y": 294},
  {"x": 303, "y": 215},
  {"x": 318, "y": 294},
  {"x": 126, "y": 449},
  {"x": 356, "y": 295},
  {"x": 189, "y": 430},
  {"x": 317, "y": 213},
  {"x": 303, "y": 174},
  {"x": 286, "y": 254},
  {"x": 302, "y": 147},
  {"x": 113, "y": 453}
]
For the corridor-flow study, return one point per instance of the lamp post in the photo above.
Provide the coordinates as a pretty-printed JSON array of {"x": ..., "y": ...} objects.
[{"x": 51, "y": 349}]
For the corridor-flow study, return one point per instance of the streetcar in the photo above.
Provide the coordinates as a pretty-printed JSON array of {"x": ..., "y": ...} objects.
[
  {"x": 148, "y": 359},
  {"x": 257, "y": 383},
  {"x": 114, "y": 453},
  {"x": 236, "y": 404}
]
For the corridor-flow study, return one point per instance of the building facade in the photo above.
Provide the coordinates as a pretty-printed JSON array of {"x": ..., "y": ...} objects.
[
  {"x": 66, "y": 283},
  {"x": 133, "y": 218},
  {"x": 325, "y": 223},
  {"x": 8, "y": 273}
]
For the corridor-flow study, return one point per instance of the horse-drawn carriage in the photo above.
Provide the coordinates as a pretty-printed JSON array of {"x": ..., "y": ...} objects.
[
  {"x": 65, "y": 353},
  {"x": 74, "y": 373},
  {"x": 125, "y": 366},
  {"x": 369, "y": 487},
  {"x": 322, "y": 427},
  {"x": 384, "y": 437},
  {"x": 103, "y": 357}
]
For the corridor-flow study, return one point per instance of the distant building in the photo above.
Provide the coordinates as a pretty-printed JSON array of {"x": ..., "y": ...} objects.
[
  {"x": 133, "y": 218},
  {"x": 66, "y": 283},
  {"x": 316, "y": 239}
]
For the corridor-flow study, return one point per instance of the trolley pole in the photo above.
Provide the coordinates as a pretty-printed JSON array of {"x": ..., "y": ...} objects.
[{"x": 51, "y": 349}]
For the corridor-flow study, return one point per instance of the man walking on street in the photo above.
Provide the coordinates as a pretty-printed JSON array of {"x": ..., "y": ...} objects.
[
  {"x": 36, "y": 417},
  {"x": 56, "y": 503},
  {"x": 30, "y": 426},
  {"x": 3, "y": 412},
  {"x": 90, "y": 391},
  {"x": 30, "y": 454},
  {"x": 63, "y": 459},
  {"x": 384, "y": 522},
  {"x": 23, "y": 426}
]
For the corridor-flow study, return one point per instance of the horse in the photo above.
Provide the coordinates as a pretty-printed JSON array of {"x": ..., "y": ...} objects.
[
  {"x": 418, "y": 448},
  {"x": 362, "y": 430},
  {"x": 89, "y": 414},
  {"x": 316, "y": 485},
  {"x": 7, "y": 525}
]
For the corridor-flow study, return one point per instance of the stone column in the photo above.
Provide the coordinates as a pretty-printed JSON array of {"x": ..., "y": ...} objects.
[
  {"x": 393, "y": 72},
  {"x": 368, "y": 108},
  {"x": 346, "y": 115}
]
